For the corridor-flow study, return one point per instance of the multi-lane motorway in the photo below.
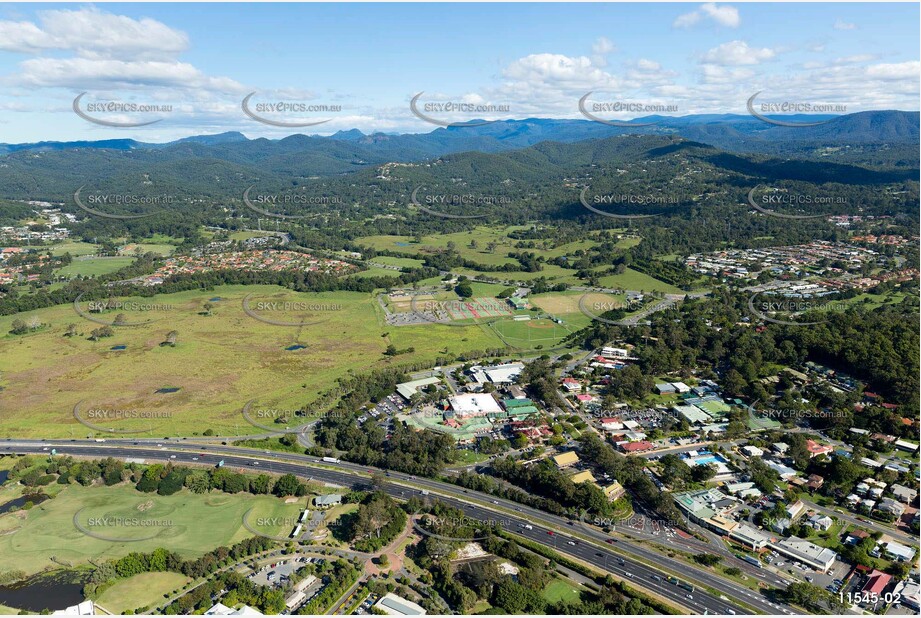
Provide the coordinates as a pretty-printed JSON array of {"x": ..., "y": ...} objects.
[{"x": 624, "y": 559}]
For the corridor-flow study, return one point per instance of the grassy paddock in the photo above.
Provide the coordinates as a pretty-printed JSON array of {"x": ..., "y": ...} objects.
[{"x": 220, "y": 362}]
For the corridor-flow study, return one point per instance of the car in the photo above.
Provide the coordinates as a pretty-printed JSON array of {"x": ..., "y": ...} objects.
[
  {"x": 573, "y": 543},
  {"x": 599, "y": 554},
  {"x": 495, "y": 502},
  {"x": 254, "y": 463},
  {"x": 628, "y": 573},
  {"x": 195, "y": 459},
  {"x": 690, "y": 596},
  {"x": 172, "y": 457}
]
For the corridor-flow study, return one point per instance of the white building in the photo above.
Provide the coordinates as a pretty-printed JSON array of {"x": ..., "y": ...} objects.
[
  {"x": 222, "y": 610},
  {"x": 394, "y": 605},
  {"x": 474, "y": 404},
  {"x": 819, "y": 558}
]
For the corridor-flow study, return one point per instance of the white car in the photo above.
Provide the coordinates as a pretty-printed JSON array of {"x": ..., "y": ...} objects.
[{"x": 571, "y": 543}]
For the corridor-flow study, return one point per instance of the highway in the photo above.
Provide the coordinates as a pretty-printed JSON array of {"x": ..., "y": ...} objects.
[{"x": 556, "y": 532}]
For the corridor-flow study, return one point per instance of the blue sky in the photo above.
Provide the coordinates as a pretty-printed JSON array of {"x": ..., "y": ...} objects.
[{"x": 517, "y": 60}]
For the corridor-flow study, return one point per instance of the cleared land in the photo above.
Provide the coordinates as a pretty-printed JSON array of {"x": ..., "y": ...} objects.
[
  {"x": 220, "y": 361},
  {"x": 189, "y": 524}
]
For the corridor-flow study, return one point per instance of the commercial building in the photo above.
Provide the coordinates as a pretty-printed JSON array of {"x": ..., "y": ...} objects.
[
  {"x": 222, "y": 610},
  {"x": 408, "y": 389},
  {"x": 810, "y": 554},
  {"x": 474, "y": 404},
  {"x": 394, "y": 605},
  {"x": 564, "y": 460}
]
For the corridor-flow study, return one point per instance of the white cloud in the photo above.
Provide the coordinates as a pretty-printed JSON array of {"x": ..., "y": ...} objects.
[
  {"x": 843, "y": 25},
  {"x": 737, "y": 53},
  {"x": 722, "y": 15},
  {"x": 91, "y": 33},
  {"x": 908, "y": 71}
]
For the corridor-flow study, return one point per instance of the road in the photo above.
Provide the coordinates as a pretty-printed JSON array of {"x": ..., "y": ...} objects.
[{"x": 545, "y": 529}]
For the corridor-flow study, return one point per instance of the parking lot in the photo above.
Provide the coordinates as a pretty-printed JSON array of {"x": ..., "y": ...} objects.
[{"x": 277, "y": 573}]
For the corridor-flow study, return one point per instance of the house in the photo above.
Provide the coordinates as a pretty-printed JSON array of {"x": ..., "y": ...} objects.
[
  {"x": 681, "y": 387},
  {"x": 909, "y": 592},
  {"x": 664, "y": 388},
  {"x": 819, "y": 558},
  {"x": 636, "y": 447},
  {"x": 892, "y": 507},
  {"x": 583, "y": 477},
  {"x": 572, "y": 385},
  {"x": 876, "y": 583},
  {"x": 780, "y": 447},
  {"x": 516, "y": 392},
  {"x": 328, "y": 500},
  {"x": 905, "y": 445},
  {"x": 896, "y": 551},
  {"x": 394, "y": 605},
  {"x": 564, "y": 460},
  {"x": 86, "y": 608},
  {"x": 815, "y": 449},
  {"x": 795, "y": 510},
  {"x": 821, "y": 522},
  {"x": 752, "y": 451},
  {"x": 611, "y": 424},
  {"x": 903, "y": 494},
  {"x": 815, "y": 482}
]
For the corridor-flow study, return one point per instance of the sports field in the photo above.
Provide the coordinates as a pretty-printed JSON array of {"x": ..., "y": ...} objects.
[
  {"x": 187, "y": 523},
  {"x": 93, "y": 266},
  {"x": 290, "y": 348}
]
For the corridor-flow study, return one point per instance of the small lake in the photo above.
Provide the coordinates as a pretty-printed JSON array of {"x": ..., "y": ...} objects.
[
  {"x": 298, "y": 346},
  {"x": 4, "y": 475},
  {"x": 18, "y": 503},
  {"x": 56, "y": 590}
]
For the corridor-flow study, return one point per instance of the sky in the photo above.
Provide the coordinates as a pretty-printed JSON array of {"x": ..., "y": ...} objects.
[{"x": 362, "y": 64}]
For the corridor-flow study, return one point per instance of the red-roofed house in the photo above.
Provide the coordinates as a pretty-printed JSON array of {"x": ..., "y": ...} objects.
[
  {"x": 636, "y": 447},
  {"x": 877, "y": 582},
  {"x": 815, "y": 449},
  {"x": 611, "y": 424},
  {"x": 571, "y": 384}
]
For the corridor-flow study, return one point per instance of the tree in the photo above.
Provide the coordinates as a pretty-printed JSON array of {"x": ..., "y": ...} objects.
[
  {"x": 464, "y": 290},
  {"x": 198, "y": 482},
  {"x": 286, "y": 485},
  {"x": 18, "y": 327}
]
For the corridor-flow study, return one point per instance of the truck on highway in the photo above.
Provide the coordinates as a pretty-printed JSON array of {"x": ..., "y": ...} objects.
[
  {"x": 330, "y": 460},
  {"x": 100, "y": 439},
  {"x": 220, "y": 464},
  {"x": 686, "y": 586}
]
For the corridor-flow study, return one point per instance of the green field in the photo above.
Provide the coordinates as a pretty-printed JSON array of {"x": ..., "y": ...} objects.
[
  {"x": 398, "y": 261},
  {"x": 74, "y": 248},
  {"x": 637, "y": 281},
  {"x": 140, "y": 591},
  {"x": 559, "y": 590},
  {"x": 91, "y": 267},
  {"x": 189, "y": 524},
  {"x": 220, "y": 361}
]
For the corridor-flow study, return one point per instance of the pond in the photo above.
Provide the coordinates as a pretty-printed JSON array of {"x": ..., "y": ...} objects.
[{"x": 56, "y": 590}]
